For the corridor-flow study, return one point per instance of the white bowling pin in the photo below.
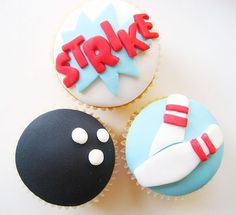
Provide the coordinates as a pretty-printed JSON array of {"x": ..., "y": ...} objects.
[
  {"x": 176, "y": 162},
  {"x": 174, "y": 123}
]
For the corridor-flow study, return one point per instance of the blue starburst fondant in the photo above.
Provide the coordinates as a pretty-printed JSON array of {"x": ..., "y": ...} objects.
[{"x": 126, "y": 65}]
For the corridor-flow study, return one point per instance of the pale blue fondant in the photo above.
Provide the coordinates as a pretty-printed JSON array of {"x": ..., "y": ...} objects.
[
  {"x": 90, "y": 28},
  {"x": 142, "y": 133},
  {"x": 87, "y": 75}
]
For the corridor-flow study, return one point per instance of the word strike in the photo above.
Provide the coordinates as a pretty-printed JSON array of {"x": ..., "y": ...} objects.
[{"x": 98, "y": 49}]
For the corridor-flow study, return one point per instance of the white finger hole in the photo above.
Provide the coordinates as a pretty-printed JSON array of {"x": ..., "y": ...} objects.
[
  {"x": 96, "y": 157},
  {"x": 79, "y": 135},
  {"x": 102, "y": 135}
]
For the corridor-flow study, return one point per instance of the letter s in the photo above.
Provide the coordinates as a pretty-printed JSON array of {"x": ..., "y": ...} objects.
[{"x": 62, "y": 66}]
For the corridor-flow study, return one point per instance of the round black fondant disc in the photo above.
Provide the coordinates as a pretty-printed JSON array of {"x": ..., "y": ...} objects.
[{"x": 57, "y": 169}]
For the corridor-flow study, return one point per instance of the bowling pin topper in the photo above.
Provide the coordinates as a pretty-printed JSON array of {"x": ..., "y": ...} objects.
[
  {"x": 174, "y": 123},
  {"x": 185, "y": 139},
  {"x": 177, "y": 161}
]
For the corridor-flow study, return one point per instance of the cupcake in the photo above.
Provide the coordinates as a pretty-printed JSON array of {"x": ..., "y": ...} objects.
[
  {"x": 174, "y": 146},
  {"x": 65, "y": 157},
  {"x": 106, "y": 53}
]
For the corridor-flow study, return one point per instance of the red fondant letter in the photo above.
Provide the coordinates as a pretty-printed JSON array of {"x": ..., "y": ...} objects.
[
  {"x": 130, "y": 42},
  {"x": 111, "y": 36},
  {"x": 72, "y": 74},
  {"x": 145, "y": 27},
  {"x": 74, "y": 47},
  {"x": 98, "y": 52}
]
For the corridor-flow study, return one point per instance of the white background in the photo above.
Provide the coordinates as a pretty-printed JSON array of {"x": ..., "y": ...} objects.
[{"x": 198, "y": 59}]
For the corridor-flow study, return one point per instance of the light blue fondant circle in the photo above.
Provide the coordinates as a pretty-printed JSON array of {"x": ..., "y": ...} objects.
[{"x": 143, "y": 130}]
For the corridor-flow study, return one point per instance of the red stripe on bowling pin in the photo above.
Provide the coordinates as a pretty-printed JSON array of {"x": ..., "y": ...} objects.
[
  {"x": 177, "y": 108},
  {"x": 198, "y": 149},
  {"x": 175, "y": 120},
  {"x": 209, "y": 144}
]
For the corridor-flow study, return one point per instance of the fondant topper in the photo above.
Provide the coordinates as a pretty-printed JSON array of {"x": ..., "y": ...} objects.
[
  {"x": 171, "y": 159},
  {"x": 69, "y": 164},
  {"x": 104, "y": 52},
  {"x": 176, "y": 162}
]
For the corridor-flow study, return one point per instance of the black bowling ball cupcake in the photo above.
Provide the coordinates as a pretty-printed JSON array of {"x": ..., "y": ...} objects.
[{"x": 65, "y": 157}]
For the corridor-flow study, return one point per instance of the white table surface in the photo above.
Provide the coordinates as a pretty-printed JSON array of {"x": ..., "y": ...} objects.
[{"x": 198, "y": 59}]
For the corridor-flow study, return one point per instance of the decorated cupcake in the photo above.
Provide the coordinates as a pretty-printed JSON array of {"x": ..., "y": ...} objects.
[
  {"x": 174, "y": 146},
  {"x": 66, "y": 157},
  {"x": 106, "y": 53}
]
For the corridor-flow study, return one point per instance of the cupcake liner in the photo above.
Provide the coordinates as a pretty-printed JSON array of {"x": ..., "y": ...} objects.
[
  {"x": 129, "y": 173},
  {"x": 87, "y": 106},
  {"x": 93, "y": 107},
  {"x": 106, "y": 189}
]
